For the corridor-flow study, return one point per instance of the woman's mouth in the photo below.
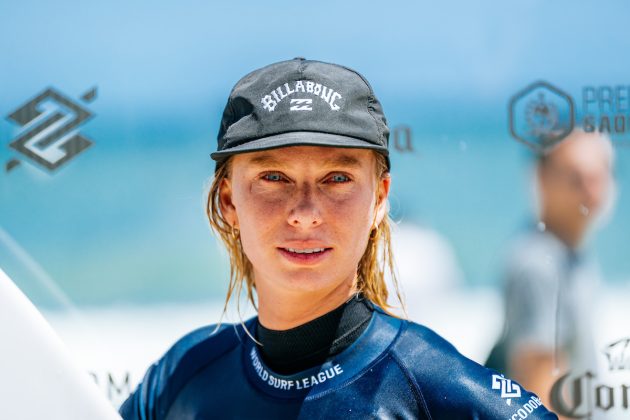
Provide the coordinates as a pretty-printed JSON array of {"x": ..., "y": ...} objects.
[{"x": 305, "y": 255}]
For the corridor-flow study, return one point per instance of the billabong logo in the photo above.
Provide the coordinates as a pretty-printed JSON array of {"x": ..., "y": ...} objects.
[
  {"x": 508, "y": 388},
  {"x": 274, "y": 97},
  {"x": 541, "y": 115},
  {"x": 301, "y": 105},
  {"x": 50, "y": 136}
]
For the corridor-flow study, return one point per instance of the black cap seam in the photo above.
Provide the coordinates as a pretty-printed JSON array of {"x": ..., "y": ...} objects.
[{"x": 370, "y": 97}]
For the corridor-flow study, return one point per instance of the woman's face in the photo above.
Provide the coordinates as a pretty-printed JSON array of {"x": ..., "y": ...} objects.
[{"x": 304, "y": 214}]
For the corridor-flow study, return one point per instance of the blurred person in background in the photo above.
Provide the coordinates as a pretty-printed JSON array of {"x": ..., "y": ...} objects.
[{"x": 550, "y": 277}]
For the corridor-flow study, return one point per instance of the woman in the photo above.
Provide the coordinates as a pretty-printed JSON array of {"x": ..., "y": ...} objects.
[{"x": 300, "y": 200}]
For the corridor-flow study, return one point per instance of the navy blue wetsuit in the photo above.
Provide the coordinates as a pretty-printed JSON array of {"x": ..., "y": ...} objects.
[{"x": 394, "y": 369}]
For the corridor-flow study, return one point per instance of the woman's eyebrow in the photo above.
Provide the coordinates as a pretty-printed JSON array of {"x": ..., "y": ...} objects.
[
  {"x": 265, "y": 161},
  {"x": 344, "y": 160},
  {"x": 340, "y": 160}
]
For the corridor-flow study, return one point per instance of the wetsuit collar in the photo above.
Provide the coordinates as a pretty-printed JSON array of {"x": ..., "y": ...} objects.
[
  {"x": 337, "y": 371},
  {"x": 310, "y": 344}
]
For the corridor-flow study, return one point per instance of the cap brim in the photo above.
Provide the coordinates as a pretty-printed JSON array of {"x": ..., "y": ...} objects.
[{"x": 299, "y": 138}]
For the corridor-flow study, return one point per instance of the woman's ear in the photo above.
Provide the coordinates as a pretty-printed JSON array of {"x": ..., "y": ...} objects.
[
  {"x": 228, "y": 210},
  {"x": 381, "y": 203}
]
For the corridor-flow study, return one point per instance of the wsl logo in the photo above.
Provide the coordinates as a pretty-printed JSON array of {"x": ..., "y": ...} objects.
[
  {"x": 508, "y": 388},
  {"x": 541, "y": 115},
  {"x": 49, "y": 134}
]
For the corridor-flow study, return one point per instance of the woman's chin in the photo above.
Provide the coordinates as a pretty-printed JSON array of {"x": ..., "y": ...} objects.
[{"x": 302, "y": 281}]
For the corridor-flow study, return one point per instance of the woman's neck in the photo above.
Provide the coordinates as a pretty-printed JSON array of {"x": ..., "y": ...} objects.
[
  {"x": 285, "y": 309},
  {"x": 310, "y": 344}
]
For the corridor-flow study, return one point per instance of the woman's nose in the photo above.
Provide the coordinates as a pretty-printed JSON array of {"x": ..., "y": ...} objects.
[{"x": 305, "y": 211}]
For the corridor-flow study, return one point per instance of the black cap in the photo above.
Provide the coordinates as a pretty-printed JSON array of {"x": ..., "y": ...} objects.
[{"x": 302, "y": 102}]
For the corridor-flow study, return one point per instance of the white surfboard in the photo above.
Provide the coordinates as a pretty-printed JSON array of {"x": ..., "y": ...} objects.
[{"x": 38, "y": 379}]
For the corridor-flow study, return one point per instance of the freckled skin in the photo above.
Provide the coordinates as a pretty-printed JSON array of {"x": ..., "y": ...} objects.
[{"x": 300, "y": 198}]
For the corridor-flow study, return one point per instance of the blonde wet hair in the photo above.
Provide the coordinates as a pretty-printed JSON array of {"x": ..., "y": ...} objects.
[{"x": 370, "y": 279}]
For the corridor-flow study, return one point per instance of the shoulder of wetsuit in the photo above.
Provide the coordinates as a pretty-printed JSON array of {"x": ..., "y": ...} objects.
[
  {"x": 451, "y": 385},
  {"x": 166, "y": 377}
]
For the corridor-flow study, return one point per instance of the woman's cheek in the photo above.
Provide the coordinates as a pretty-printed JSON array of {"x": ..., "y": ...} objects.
[
  {"x": 268, "y": 195},
  {"x": 353, "y": 207},
  {"x": 353, "y": 222},
  {"x": 267, "y": 206},
  {"x": 259, "y": 198}
]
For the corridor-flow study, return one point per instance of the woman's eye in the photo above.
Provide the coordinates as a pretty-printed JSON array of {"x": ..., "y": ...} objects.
[
  {"x": 339, "y": 178},
  {"x": 274, "y": 177}
]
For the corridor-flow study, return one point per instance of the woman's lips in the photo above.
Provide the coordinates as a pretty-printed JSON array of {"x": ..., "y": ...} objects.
[{"x": 305, "y": 258}]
